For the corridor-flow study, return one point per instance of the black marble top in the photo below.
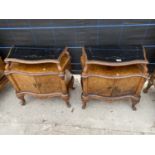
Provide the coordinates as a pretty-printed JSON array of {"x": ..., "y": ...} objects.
[
  {"x": 115, "y": 53},
  {"x": 32, "y": 54}
]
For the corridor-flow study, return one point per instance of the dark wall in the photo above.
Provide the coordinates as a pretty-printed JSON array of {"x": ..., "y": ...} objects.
[{"x": 78, "y": 33}]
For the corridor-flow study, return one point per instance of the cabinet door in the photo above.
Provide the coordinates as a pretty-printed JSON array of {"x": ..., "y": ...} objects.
[
  {"x": 100, "y": 86},
  {"x": 48, "y": 84},
  {"x": 25, "y": 83},
  {"x": 126, "y": 86}
]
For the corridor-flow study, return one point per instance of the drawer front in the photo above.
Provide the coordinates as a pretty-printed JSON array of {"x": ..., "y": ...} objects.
[
  {"x": 25, "y": 83},
  {"x": 127, "y": 86},
  {"x": 48, "y": 84},
  {"x": 100, "y": 86}
]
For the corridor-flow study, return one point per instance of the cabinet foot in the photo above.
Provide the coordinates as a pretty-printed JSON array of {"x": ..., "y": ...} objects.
[
  {"x": 134, "y": 107},
  {"x": 22, "y": 99},
  {"x": 134, "y": 103},
  {"x": 68, "y": 104},
  {"x": 84, "y": 104},
  {"x": 84, "y": 101},
  {"x": 66, "y": 99}
]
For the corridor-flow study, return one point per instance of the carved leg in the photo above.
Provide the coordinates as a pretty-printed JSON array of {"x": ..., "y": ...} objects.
[
  {"x": 84, "y": 101},
  {"x": 66, "y": 99},
  {"x": 150, "y": 83},
  {"x": 21, "y": 97},
  {"x": 134, "y": 102}
]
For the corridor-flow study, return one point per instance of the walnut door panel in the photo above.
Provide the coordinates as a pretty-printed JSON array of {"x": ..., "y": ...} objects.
[
  {"x": 100, "y": 86},
  {"x": 126, "y": 86},
  {"x": 48, "y": 84},
  {"x": 25, "y": 83}
]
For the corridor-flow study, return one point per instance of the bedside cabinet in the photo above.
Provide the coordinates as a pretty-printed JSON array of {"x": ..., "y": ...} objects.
[
  {"x": 40, "y": 72},
  {"x": 112, "y": 73}
]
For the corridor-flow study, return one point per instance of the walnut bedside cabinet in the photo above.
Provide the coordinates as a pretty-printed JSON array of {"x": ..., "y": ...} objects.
[
  {"x": 3, "y": 79},
  {"x": 40, "y": 72},
  {"x": 113, "y": 72}
]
